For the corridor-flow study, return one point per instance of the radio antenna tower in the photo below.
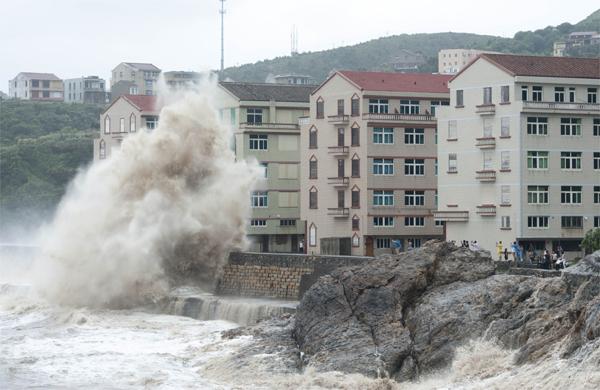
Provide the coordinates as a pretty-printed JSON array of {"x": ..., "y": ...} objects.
[
  {"x": 294, "y": 40},
  {"x": 222, "y": 12}
]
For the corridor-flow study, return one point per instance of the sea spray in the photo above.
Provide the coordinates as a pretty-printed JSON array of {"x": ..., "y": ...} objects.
[{"x": 169, "y": 204}]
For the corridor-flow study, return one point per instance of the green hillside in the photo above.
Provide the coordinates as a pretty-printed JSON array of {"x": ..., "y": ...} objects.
[{"x": 375, "y": 54}]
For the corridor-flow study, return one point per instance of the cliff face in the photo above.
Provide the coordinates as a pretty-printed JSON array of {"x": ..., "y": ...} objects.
[{"x": 404, "y": 315}]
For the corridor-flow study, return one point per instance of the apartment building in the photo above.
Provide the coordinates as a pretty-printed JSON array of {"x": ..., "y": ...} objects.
[
  {"x": 369, "y": 162},
  {"x": 519, "y": 150},
  {"x": 264, "y": 120},
  {"x": 126, "y": 115},
  {"x": 88, "y": 90},
  {"x": 451, "y": 61},
  {"x": 36, "y": 86},
  {"x": 182, "y": 79},
  {"x": 133, "y": 78},
  {"x": 292, "y": 78}
]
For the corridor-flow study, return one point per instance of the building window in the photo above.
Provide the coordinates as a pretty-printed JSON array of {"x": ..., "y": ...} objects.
[
  {"x": 597, "y": 222},
  {"x": 537, "y": 222},
  {"x": 414, "y": 198},
  {"x": 596, "y": 161},
  {"x": 259, "y": 199},
  {"x": 524, "y": 93},
  {"x": 107, "y": 125},
  {"x": 102, "y": 149},
  {"x": 312, "y": 138},
  {"x": 570, "y": 194},
  {"x": 45, "y": 84},
  {"x": 435, "y": 199},
  {"x": 487, "y": 95},
  {"x": 287, "y": 222},
  {"x": 383, "y": 135},
  {"x": 505, "y": 127},
  {"x": 378, "y": 106},
  {"x": 258, "y": 142},
  {"x": 570, "y": 126},
  {"x": 340, "y": 137},
  {"x": 383, "y": 242},
  {"x": 487, "y": 161},
  {"x": 452, "y": 162},
  {"x": 571, "y": 222},
  {"x": 355, "y": 167},
  {"x": 383, "y": 166},
  {"x": 355, "y": 198},
  {"x": 254, "y": 116},
  {"x": 559, "y": 94},
  {"x": 414, "y": 136},
  {"x": 355, "y": 223},
  {"x": 537, "y": 160},
  {"x": 505, "y": 160},
  {"x": 383, "y": 221},
  {"x": 592, "y": 95},
  {"x": 435, "y": 165},
  {"x": 410, "y": 107},
  {"x": 132, "y": 123},
  {"x": 459, "y": 98},
  {"x": 313, "y": 198},
  {"x": 452, "y": 132},
  {"x": 258, "y": 222},
  {"x": 537, "y": 194},
  {"x": 320, "y": 108},
  {"x": 572, "y": 95},
  {"x": 505, "y": 195},
  {"x": 122, "y": 125},
  {"x": 570, "y": 160},
  {"x": 536, "y": 93},
  {"x": 383, "y": 198},
  {"x": 151, "y": 122},
  {"x": 504, "y": 94},
  {"x": 354, "y": 111},
  {"x": 414, "y": 167},
  {"x": 596, "y": 194},
  {"x": 340, "y": 107},
  {"x": 355, "y": 136},
  {"x": 488, "y": 127},
  {"x": 414, "y": 221},
  {"x": 34, "y": 84},
  {"x": 312, "y": 235},
  {"x": 597, "y": 127},
  {"x": 505, "y": 222},
  {"x": 312, "y": 168},
  {"x": 537, "y": 125}
]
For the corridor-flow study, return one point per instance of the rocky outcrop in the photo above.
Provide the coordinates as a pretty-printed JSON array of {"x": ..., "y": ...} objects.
[{"x": 403, "y": 315}]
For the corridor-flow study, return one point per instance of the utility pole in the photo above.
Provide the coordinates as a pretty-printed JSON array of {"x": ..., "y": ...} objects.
[{"x": 222, "y": 12}]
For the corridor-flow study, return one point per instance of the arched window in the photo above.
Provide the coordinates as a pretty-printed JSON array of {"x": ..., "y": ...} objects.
[
  {"x": 320, "y": 108},
  {"x": 312, "y": 235},
  {"x": 312, "y": 138},
  {"x": 355, "y": 197},
  {"x": 355, "y": 223},
  {"x": 355, "y": 166},
  {"x": 312, "y": 168},
  {"x": 122, "y": 125},
  {"x": 355, "y": 135},
  {"x": 102, "y": 150},
  {"x": 313, "y": 200},
  {"x": 107, "y": 125},
  {"x": 132, "y": 124},
  {"x": 354, "y": 106},
  {"x": 355, "y": 240}
]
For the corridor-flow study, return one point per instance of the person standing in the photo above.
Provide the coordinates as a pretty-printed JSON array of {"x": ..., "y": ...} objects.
[{"x": 499, "y": 249}]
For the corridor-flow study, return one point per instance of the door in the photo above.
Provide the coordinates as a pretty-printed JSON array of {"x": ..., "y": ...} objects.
[
  {"x": 294, "y": 248},
  {"x": 368, "y": 246},
  {"x": 265, "y": 243},
  {"x": 341, "y": 137},
  {"x": 341, "y": 199},
  {"x": 341, "y": 168}
]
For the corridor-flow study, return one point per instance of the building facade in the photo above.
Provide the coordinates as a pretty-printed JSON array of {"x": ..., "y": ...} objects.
[
  {"x": 295, "y": 79},
  {"x": 89, "y": 90},
  {"x": 369, "y": 162},
  {"x": 182, "y": 79},
  {"x": 132, "y": 78},
  {"x": 264, "y": 120},
  {"x": 36, "y": 86},
  {"x": 451, "y": 61},
  {"x": 519, "y": 151},
  {"x": 128, "y": 114}
]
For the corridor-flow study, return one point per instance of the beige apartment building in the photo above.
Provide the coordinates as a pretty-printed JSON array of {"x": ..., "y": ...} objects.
[
  {"x": 369, "y": 162},
  {"x": 128, "y": 114},
  {"x": 451, "y": 61},
  {"x": 36, "y": 86},
  {"x": 133, "y": 78},
  {"x": 264, "y": 120},
  {"x": 519, "y": 150}
]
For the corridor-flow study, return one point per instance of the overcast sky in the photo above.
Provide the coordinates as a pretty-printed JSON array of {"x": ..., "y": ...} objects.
[{"x": 72, "y": 38}]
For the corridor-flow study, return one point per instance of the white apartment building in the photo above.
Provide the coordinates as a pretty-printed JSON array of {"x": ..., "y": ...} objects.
[
  {"x": 519, "y": 151},
  {"x": 451, "y": 61},
  {"x": 369, "y": 162},
  {"x": 36, "y": 86}
]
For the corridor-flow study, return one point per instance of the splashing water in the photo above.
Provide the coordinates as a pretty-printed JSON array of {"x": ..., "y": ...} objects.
[{"x": 169, "y": 204}]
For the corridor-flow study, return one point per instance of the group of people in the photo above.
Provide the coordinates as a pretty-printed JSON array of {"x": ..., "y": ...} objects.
[
  {"x": 554, "y": 259},
  {"x": 515, "y": 250},
  {"x": 473, "y": 245}
]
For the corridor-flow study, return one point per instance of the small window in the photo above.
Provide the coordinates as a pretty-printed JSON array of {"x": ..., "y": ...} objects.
[
  {"x": 452, "y": 162},
  {"x": 537, "y": 93},
  {"x": 132, "y": 123},
  {"x": 596, "y": 161},
  {"x": 570, "y": 194},
  {"x": 505, "y": 127},
  {"x": 383, "y": 166},
  {"x": 570, "y": 126},
  {"x": 409, "y": 107},
  {"x": 559, "y": 94},
  {"x": 452, "y": 131},
  {"x": 571, "y": 222},
  {"x": 537, "y": 160},
  {"x": 537, "y": 222},
  {"x": 287, "y": 222},
  {"x": 313, "y": 200},
  {"x": 383, "y": 198},
  {"x": 355, "y": 166},
  {"x": 102, "y": 150},
  {"x": 570, "y": 160},
  {"x": 537, "y": 194},
  {"x": 355, "y": 223},
  {"x": 459, "y": 98},
  {"x": 378, "y": 106},
  {"x": 487, "y": 95},
  {"x": 355, "y": 238},
  {"x": 596, "y": 127},
  {"x": 355, "y": 136},
  {"x": 504, "y": 94},
  {"x": 383, "y": 242},
  {"x": 414, "y": 167},
  {"x": 537, "y": 125},
  {"x": 312, "y": 138},
  {"x": 414, "y": 198},
  {"x": 572, "y": 95},
  {"x": 259, "y": 199},
  {"x": 354, "y": 106},
  {"x": 524, "y": 93},
  {"x": 122, "y": 125},
  {"x": 505, "y": 195},
  {"x": 597, "y": 194},
  {"x": 312, "y": 235},
  {"x": 414, "y": 136},
  {"x": 258, "y": 142},
  {"x": 320, "y": 108},
  {"x": 355, "y": 198},
  {"x": 383, "y": 221},
  {"x": 383, "y": 135},
  {"x": 340, "y": 107},
  {"x": 592, "y": 95},
  {"x": 258, "y": 223},
  {"x": 414, "y": 221},
  {"x": 312, "y": 168},
  {"x": 107, "y": 125},
  {"x": 254, "y": 116},
  {"x": 505, "y": 160},
  {"x": 505, "y": 222}
]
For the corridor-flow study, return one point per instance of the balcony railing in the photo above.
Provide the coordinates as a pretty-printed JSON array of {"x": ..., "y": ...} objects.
[
  {"x": 486, "y": 142},
  {"x": 451, "y": 216},
  {"x": 338, "y": 118},
  {"x": 486, "y": 109},
  {"x": 561, "y": 106},
  {"x": 339, "y": 151},
  {"x": 303, "y": 120},
  {"x": 486, "y": 210},
  {"x": 397, "y": 117},
  {"x": 486, "y": 175},
  {"x": 339, "y": 181},
  {"x": 339, "y": 212},
  {"x": 265, "y": 125}
]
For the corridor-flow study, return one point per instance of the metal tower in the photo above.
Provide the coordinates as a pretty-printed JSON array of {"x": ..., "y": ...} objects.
[{"x": 222, "y": 12}]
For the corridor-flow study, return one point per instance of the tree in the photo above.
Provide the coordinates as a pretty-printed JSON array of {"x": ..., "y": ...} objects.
[{"x": 591, "y": 240}]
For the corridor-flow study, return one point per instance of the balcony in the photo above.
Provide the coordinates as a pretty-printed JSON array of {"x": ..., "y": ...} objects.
[
  {"x": 339, "y": 212},
  {"x": 562, "y": 107},
  {"x": 487, "y": 176},
  {"x": 339, "y": 182},
  {"x": 486, "y": 142},
  {"x": 451, "y": 216},
  {"x": 486, "y": 109},
  {"x": 397, "y": 117},
  {"x": 339, "y": 151},
  {"x": 486, "y": 210},
  {"x": 270, "y": 126},
  {"x": 338, "y": 119}
]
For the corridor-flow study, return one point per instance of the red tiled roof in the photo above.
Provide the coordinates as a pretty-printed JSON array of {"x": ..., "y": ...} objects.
[
  {"x": 143, "y": 102},
  {"x": 587, "y": 68},
  {"x": 399, "y": 82}
]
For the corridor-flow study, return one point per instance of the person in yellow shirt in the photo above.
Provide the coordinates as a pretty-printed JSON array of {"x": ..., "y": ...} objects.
[{"x": 499, "y": 249}]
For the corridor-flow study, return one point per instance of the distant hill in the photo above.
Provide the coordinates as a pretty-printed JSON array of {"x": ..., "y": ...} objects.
[{"x": 375, "y": 54}]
